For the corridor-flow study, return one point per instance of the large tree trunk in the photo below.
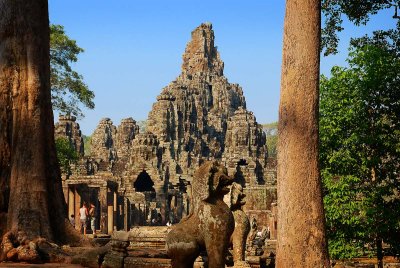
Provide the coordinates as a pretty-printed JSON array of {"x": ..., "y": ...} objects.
[
  {"x": 301, "y": 222},
  {"x": 36, "y": 203},
  {"x": 5, "y": 158}
]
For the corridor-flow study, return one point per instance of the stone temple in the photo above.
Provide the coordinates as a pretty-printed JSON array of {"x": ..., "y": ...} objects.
[{"x": 137, "y": 179}]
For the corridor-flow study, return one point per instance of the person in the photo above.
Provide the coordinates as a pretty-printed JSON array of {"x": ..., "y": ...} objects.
[
  {"x": 83, "y": 214},
  {"x": 72, "y": 220},
  {"x": 92, "y": 214}
]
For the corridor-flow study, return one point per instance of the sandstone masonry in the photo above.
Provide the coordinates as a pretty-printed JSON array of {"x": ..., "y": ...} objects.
[{"x": 145, "y": 178}]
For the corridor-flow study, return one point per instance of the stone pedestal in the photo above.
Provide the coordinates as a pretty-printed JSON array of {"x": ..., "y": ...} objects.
[{"x": 115, "y": 258}]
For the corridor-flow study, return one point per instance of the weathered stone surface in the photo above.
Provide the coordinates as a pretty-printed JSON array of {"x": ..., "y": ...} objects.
[
  {"x": 102, "y": 147},
  {"x": 126, "y": 132},
  {"x": 92, "y": 257},
  {"x": 119, "y": 244},
  {"x": 210, "y": 224},
  {"x": 242, "y": 226},
  {"x": 245, "y": 142},
  {"x": 201, "y": 56},
  {"x": 67, "y": 127},
  {"x": 115, "y": 258},
  {"x": 199, "y": 116},
  {"x": 191, "y": 113}
]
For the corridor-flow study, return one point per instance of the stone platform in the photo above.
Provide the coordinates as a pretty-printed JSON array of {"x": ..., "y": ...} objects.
[{"x": 144, "y": 247}]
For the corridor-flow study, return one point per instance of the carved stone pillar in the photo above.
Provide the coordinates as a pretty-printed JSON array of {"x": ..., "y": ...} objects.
[
  {"x": 71, "y": 203},
  {"x": 184, "y": 205},
  {"x": 126, "y": 214},
  {"x": 115, "y": 207},
  {"x": 110, "y": 211},
  {"x": 77, "y": 204},
  {"x": 161, "y": 201},
  {"x": 103, "y": 209}
]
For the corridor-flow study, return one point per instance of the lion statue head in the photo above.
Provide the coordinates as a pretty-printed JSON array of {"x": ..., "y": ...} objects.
[
  {"x": 237, "y": 196},
  {"x": 210, "y": 181}
]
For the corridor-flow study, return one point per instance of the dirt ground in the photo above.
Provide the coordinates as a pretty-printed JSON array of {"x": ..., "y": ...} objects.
[{"x": 45, "y": 265}]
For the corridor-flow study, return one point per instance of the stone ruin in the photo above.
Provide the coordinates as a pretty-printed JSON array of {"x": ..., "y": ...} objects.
[
  {"x": 137, "y": 179},
  {"x": 68, "y": 128}
]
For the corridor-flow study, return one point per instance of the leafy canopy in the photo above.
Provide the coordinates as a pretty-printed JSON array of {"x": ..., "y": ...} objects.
[
  {"x": 271, "y": 131},
  {"x": 360, "y": 151},
  {"x": 357, "y": 11},
  {"x": 68, "y": 90},
  {"x": 66, "y": 154}
]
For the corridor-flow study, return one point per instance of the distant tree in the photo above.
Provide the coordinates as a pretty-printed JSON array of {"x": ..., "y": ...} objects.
[
  {"x": 357, "y": 11},
  {"x": 87, "y": 142},
  {"x": 360, "y": 152},
  {"x": 271, "y": 131},
  {"x": 270, "y": 128},
  {"x": 68, "y": 90},
  {"x": 272, "y": 141},
  {"x": 301, "y": 222},
  {"x": 66, "y": 154},
  {"x": 142, "y": 125}
]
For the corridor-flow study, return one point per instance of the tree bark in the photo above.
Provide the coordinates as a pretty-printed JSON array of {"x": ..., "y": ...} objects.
[
  {"x": 301, "y": 221},
  {"x": 36, "y": 203}
]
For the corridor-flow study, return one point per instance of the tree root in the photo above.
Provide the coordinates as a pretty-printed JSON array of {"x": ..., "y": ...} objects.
[{"x": 17, "y": 247}]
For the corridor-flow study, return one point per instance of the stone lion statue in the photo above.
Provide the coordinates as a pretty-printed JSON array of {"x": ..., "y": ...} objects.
[
  {"x": 210, "y": 224},
  {"x": 242, "y": 226}
]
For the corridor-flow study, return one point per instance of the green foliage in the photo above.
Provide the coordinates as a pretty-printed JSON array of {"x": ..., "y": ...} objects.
[
  {"x": 387, "y": 40},
  {"x": 68, "y": 90},
  {"x": 271, "y": 131},
  {"x": 360, "y": 151},
  {"x": 272, "y": 141},
  {"x": 87, "y": 142},
  {"x": 344, "y": 206},
  {"x": 66, "y": 154},
  {"x": 357, "y": 11}
]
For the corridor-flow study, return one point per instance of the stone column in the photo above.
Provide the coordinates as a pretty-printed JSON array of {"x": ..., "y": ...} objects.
[
  {"x": 103, "y": 209},
  {"x": 110, "y": 211},
  {"x": 126, "y": 214},
  {"x": 77, "y": 206},
  {"x": 184, "y": 205},
  {"x": 134, "y": 214},
  {"x": 161, "y": 201},
  {"x": 66, "y": 193},
  {"x": 179, "y": 209},
  {"x": 273, "y": 234},
  {"x": 71, "y": 203},
  {"x": 115, "y": 214}
]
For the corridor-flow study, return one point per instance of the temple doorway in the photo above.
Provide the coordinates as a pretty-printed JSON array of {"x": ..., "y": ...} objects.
[
  {"x": 144, "y": 184},
  {"x": 144, "y": 213}
]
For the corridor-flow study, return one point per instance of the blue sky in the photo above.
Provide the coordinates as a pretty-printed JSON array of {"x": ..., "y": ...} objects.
[{"x": 133, "y": 48}]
